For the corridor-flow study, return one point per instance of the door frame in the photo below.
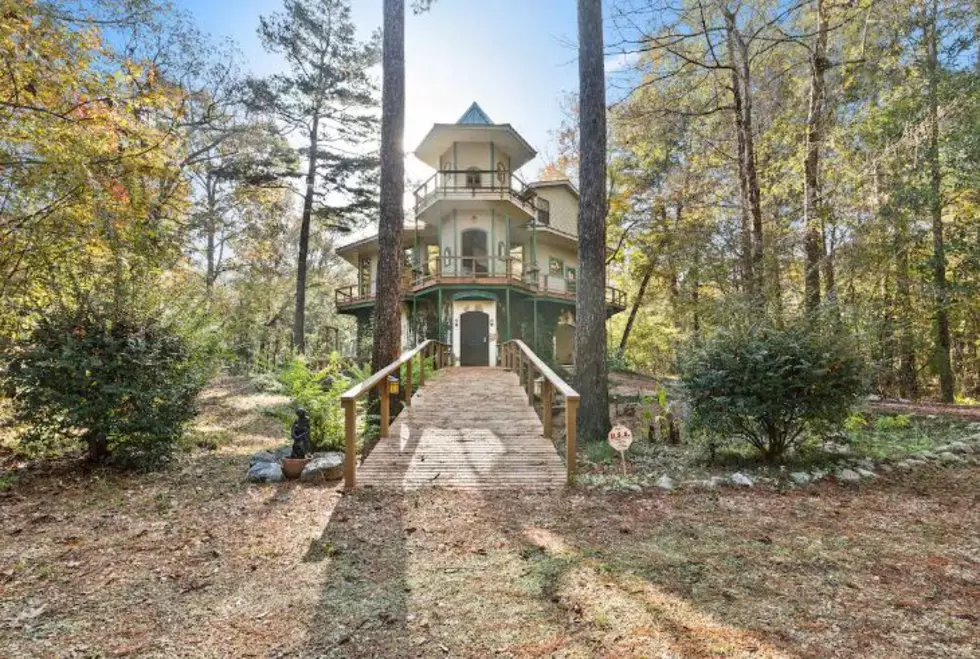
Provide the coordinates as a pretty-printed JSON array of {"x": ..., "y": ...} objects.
[{"x": 488, "y": 307}]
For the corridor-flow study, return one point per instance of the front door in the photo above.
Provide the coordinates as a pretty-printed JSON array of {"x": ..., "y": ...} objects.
[{"x": 474, "y": 339}]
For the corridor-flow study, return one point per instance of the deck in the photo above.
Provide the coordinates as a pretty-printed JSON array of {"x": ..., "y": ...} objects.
[{"x": 468, "y": 428}]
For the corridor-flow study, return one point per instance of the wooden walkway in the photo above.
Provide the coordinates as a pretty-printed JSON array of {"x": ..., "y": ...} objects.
[{"x": 468, "y": 428}]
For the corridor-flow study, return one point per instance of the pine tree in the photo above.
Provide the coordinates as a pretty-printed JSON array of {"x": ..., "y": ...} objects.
[{"x": 326, "y": 96}]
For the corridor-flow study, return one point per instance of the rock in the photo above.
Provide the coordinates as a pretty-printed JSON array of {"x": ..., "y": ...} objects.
[
  {"x": 873, "y": 398},
  {"x": 886, "y": 469},
  {"x": 904, "y": 465},
  {"x": 866, "y": 464},
  {"x": 959, "y": 447},
  {"x": 866, "y": 473},
  {"x": 665, "y": 482},
  {"x": 264, "y": 472},
  {"x": 818, "y": 475},
  {"x": 324, "y": 467},
  {"x": 633, "y": 487},
  {"x": 800, "y": 477},
  {"x": 848, "y": 476},
  {"x": 283, "y": 451},
  {"x": 950, "y": 459},
  {"x": 738, "y": 478},
  {"x": 262, "y": 456},
  {"x": 925, "y": 455}
]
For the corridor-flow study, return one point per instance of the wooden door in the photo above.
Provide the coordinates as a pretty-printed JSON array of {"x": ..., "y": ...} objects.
[{"x": 474, "y": 339}]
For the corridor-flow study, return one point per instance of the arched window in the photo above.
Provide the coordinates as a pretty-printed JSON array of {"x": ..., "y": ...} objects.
[{"x": 473, "y": 177}]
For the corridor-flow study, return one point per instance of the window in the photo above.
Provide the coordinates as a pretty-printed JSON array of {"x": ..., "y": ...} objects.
[
  {"x": 474, "y": 251},
  {"x": 447, "y": 257},
  {"x": 364, "y": 276},
  {"x": 473, "y": 177},
  {"x": 570, "y": 280},
  {"x": 544, "y": 211},
  {"x": 501, "y": 249},
  {"x": 556, "y": 267}
]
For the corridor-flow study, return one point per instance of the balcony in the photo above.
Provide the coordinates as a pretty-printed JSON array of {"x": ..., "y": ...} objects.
[
  {"x": 475, "y": 184},
  {"x": 479, "y": 271}
]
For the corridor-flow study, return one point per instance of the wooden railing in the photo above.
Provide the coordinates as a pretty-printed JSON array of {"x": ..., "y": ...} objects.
[
  {"x": 517, "y": 357},
  {"x": 502, "y": 268},
  {"x": 473, "y": 182},
  {"x": 441, "y": 352}
]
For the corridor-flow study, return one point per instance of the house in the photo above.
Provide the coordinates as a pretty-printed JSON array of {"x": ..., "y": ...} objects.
[{"x": 488, "y": 257}]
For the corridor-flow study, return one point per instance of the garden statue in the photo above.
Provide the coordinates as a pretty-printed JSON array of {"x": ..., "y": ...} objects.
[{"x": 301, "y": 435}]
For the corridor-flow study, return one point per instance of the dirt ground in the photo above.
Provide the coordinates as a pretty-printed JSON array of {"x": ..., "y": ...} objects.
[{"x": 194, "y": 562}]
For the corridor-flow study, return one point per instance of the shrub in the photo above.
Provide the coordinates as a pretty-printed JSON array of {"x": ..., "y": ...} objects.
[
  {"x": 123, "y": 387},
  {"x": 319, "y": 394},
  {"x": 767, "y": 386}
]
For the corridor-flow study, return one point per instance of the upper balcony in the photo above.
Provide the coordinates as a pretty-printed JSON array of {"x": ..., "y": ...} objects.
[{"x": 475, "y": 184}]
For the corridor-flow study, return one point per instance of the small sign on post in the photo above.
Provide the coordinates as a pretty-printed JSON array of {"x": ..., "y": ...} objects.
[{"x": 620, "y": 438}]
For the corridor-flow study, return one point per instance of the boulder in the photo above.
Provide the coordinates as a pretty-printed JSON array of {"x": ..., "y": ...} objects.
[
  {"x": 959, "y": 447},
  {"x": 738, "y": 478},
  {"x": 264, "y": 472},
  {"x": 324, "y": 467},
  {"x": 866, "y": 464},
  {"x": 283, "y": 451},
  {"x": 262, "y": 456},
  {"x": 866, "y": 473},
  {"x": 950, "y": 458},
  {"x": 848, "y": 476},
  {"x": 665, "y": 483},
  {"x": 800, "y": 477}
]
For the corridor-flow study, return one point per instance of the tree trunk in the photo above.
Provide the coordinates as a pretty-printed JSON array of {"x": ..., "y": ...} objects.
[
  {"x": 647, "y": 274},
  {"x": 590, "y": 304},
  {"x": 299, "y": 321},
  {"x": 388, "y": 301},
  {"x": 942, "y": 357},
  {"x": 750, "y": 277},
  {"x": 812, "y": 202}
]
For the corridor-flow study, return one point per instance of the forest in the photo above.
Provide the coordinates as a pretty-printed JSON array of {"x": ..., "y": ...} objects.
[{"x": 768, "y": 447}]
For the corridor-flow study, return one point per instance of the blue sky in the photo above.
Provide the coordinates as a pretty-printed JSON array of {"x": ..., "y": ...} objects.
[{"x": 516, "y": 58}]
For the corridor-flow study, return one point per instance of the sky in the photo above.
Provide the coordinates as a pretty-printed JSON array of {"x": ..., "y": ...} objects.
[{"x": 516, "y": 58}]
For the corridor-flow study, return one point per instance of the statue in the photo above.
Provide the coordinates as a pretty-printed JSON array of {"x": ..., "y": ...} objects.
[{"x": 300, "y": 434}]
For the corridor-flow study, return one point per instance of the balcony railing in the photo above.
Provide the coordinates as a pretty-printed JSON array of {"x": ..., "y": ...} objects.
[
  {"x": 479, "y": 270},
  {"x": 477, "y": 184}
]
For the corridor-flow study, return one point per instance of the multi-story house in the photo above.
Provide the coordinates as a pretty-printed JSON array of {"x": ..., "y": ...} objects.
[{"x": 488, "y": 258}]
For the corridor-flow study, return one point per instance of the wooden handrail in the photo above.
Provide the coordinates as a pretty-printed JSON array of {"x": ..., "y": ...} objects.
[
  {"x": 443, "y": 357},
  {"x": 518, "y": 357}
]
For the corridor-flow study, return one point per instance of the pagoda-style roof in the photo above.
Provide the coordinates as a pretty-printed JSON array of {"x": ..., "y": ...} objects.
[{"x": 474, "y": 126}]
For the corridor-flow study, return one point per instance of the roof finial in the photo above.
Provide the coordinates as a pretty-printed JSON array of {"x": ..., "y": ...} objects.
[{"x": 475, "y": 115}]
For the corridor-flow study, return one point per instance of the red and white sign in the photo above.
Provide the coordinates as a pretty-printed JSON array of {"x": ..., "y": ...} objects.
[{"x": 620, "y": 438}]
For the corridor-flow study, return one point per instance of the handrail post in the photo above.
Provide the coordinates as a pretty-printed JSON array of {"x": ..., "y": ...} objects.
[
  {"x": 408, "y": 383},
  {"x": 547, "y": 401},
  {"x": 530, "y": 384},
  {"x": 385, "y": 398},
  {"x": 350, "y": 430},
  {"x": 422, "y": 358},
  {"x": 571, "y": 408}
]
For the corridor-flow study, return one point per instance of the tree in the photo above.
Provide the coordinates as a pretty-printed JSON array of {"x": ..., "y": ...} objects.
[
  {"x": 328, "y": 97},
  {"x": 387, "y": 309},
  {"x": 590, "y": 303}
]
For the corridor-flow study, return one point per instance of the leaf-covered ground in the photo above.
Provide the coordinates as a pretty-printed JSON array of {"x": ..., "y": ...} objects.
[{"x": 193, "y": 562}]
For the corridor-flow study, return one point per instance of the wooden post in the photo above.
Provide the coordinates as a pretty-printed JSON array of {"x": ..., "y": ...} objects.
[
  {"x": 350, "y": 431},
  {"x": 530, "y": 384},
  {"x": 571, "y": 409},
  {"x": 422, "y": 358},
  {"x": 547, "y": 400},
  {"x": 385, "y": 399},
  {"x": 438, "y": 355},
  {"x": 408, "y": 383}
]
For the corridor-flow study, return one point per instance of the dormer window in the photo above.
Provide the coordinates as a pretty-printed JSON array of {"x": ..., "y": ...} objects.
[
  {"x": 473, "y": 177},
  {"x": 544, "y": 211}
]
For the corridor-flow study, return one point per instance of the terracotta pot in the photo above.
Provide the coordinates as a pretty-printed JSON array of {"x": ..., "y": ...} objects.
[{"x": 293, "y": 467}]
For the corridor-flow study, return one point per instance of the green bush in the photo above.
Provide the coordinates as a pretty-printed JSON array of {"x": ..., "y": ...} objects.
[
  {"x": 123, "y": 387},
  {"x": 768, "y": 386},
  {"x": 319, "y": 394}
]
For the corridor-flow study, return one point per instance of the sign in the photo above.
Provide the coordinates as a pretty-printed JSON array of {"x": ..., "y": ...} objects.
[{"x": 620, "y": 438}]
